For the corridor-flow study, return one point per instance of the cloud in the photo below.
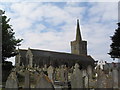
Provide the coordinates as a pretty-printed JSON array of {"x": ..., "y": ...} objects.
[
  {"x": 51, "y": 26},
  {"x": 60, "y": 1},
  {"x": 105, "y": 11}
]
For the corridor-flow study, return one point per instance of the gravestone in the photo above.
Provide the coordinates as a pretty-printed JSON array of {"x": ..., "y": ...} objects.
[
  {"x": 106, "y": 68},
  {"x": 0, "y": 75},
  {"x": 66, "y": 73},
  {"x": 35, "y": 66},
  {"x": 38, "y": 68},
  {"x": 115, "y": 77},
  {"x": 45, "y": 69},
  {"x": 57, "y": 74},
  {"x": 85, "y": 79},
  {"x": 44, "y": 82},
  {"x": 76, "y": 78},
  {"x": 89, "y": 71},
  {"x": 91, "y": 82},
  {"x": 50, "y": 72},
  {"x": 62, "y": 74},
  {"x": 27, "y": 79},
  {"x": 70, "y": 71},
  {"x": 12, "y": 81},
  {"x": 109, "y": 81},
  {"x": 84, "y": 72},
  {"x": 101, "y": 79},
  {"x": 119, "y": 74}
]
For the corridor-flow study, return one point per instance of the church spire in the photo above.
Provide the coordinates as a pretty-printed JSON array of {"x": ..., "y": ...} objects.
[
  {"x": 79, "y": 46},
  {"x": 78, "y": 34}
]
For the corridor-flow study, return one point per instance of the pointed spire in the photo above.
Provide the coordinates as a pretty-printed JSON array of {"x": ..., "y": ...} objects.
[{"x": 78, "y": 34}]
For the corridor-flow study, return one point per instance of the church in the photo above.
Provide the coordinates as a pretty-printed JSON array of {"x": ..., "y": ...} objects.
[{"x": 38, "y": 58}]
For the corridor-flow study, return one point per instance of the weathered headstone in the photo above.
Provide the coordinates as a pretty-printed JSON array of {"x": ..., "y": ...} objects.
[
  {"x": 85, "y": 79},
  {"x": 12, "y": 81},
  {"x": 44, "y": 82},
  {"x": 119, "y": 74},
  {"x": 50, "y": 72},
  {"x": 35, "y": 66},
  {"x": 62, "y": 74},
  {"x": 38, "y": 68},
  {"x": 84, "y": 73},
  {"x": 70, "y": 71},
  {"x": 109, "y": 81},
  {"x": 101, "y": 79},
  {"x": 27, "y": 79},
  {"x": 106, "y": 68},
  {"x": 66, "y": 73},
  {"x": 0, "y": 75},
  {"x": 115, "y": 77},
  {"x": 89, "y": 71},
  {"x": 57, "y": 74},
  {"x": 45, "y": 68},
  {"x": 76, "y": 78}
]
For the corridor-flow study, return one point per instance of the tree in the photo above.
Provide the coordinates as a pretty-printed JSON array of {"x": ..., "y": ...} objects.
[
  {"x": 9, "y": 42},
  {"x": 115, "y": 46}
]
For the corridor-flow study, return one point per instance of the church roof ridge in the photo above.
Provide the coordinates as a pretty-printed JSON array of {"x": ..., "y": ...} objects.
[
  {"x": 22, "y": 52},
  {"x": 49, "y": 51},
  {"x": 54, "y": 52}
]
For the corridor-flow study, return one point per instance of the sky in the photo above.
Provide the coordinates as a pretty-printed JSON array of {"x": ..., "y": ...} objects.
[{"x": 52, "y": 25}]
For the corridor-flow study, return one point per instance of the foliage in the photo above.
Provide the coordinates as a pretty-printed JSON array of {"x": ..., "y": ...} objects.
[
  {"x": 9, "y": 42},
  {"x": 6, "y": 69},
  {"x": 115, "y": 46}
]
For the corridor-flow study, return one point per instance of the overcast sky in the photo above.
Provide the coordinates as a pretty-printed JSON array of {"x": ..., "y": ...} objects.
[{"x": 52, "y": 25}]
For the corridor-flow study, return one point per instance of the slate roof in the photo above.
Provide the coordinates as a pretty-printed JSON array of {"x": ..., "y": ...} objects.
[
  {"x": 22, "y": 52},
  {"x": 60, "y": 55}
]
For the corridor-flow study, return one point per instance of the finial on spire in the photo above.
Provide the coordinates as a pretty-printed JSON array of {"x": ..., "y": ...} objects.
[
  {"x": 78, "y": 21},
  {"x": 78, "y": 34}
]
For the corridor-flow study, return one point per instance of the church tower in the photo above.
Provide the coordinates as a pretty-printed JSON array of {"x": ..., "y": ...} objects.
[{"x": 78, "y": 46}]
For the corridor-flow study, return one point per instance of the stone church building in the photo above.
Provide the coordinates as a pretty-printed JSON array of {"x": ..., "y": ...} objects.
[{"x": 36, "y": 57}]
